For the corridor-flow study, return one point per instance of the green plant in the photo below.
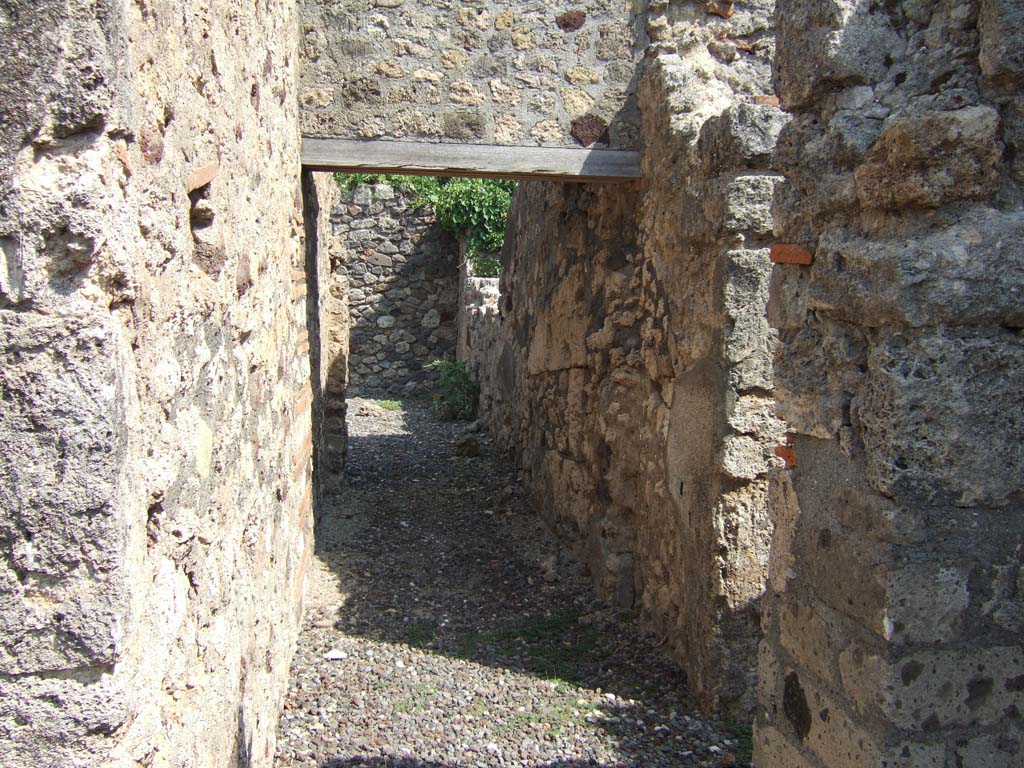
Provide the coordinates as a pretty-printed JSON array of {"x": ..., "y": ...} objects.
[
  {"x": 476, "y": 209},
  {"x": 390, "y": 405},
  {"x": 744, "y": 735},
  {"x": 458, "y": 390},
  {"x": 424, "y": 187},
  {"x": 415, "y": 699},
  {"x": 485, "y": 266},
  {"x": 554, "y": 646},
  {"x": 420, "y": 634}
]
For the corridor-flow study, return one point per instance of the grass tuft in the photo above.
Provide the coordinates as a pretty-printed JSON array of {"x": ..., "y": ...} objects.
[
  {"x": 744, "y": 735},
  {"x": 554, "y": 646},
  {"x": 420, "y": 634}
]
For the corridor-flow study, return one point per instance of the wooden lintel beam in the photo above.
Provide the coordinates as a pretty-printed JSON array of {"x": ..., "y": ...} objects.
[{"x": 420, "y": 158}]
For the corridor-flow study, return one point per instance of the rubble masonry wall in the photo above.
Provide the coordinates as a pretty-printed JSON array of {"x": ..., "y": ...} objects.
[
  {"x": 895, "y": 609},
  {"x": 155, "y": 513},
  {"x": 486, "y": 72},
  {"x": 634, "y": 377}
]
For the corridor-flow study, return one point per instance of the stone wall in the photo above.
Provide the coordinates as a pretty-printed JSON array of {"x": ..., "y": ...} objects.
[
  {"x": 487, "y": 72},
  {"x": 328, "y": 324},
  {"x": 895, "y": 613},
  {"x": 402, "y": 278},
  {"x": 634, "y": 380},
  {"x": 479, "y": 319},
  {"x": 155, "y": 428}
]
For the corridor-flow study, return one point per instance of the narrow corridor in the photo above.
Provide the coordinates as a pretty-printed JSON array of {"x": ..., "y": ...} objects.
[{"x": 445, "y": 627}]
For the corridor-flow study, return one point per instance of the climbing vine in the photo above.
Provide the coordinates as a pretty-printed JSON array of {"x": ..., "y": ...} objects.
[{"x": 472, "y": 209}]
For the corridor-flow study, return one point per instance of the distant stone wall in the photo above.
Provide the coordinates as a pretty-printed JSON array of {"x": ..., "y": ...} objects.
[
  {"x": 479, "y": 326},
  {"x": 155, "y": 496},
  {"x": 487, "y": 72},
  {"x": 895, "y": 615},
  {"x": 402, "y": 275},
  {"x": 634, "y": 379}
]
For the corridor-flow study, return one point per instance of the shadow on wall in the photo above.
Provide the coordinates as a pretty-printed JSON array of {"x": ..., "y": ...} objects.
[{"x": 402, "y": 270}]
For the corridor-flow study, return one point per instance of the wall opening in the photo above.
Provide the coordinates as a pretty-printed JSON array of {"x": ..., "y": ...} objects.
[{"x": 439, "y": 578}]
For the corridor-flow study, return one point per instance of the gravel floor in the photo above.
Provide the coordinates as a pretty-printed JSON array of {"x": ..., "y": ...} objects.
[{"x": 445, "y": 627}]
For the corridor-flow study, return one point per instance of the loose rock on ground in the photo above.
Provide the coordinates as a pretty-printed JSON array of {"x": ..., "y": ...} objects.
[{"x": 445, "y": 626}]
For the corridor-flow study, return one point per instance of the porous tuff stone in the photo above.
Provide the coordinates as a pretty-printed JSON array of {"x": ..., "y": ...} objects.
[
  {"x": 489, "y": 72},
  {"x": 632, "y": 371},
  {"x": 153, "y": 528},
  {"x": 399, "y": 270},
  {"x": 898, "y": 348}
]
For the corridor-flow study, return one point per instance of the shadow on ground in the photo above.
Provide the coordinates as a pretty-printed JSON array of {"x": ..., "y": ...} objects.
[{"x": 438, "y": 556}]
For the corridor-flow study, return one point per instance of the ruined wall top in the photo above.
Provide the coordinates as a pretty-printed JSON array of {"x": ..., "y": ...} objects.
[{"x": 482, "y": 71}]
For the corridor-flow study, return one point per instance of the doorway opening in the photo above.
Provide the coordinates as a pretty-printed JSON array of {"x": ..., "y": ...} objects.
[{"x": 446, "y": 623}]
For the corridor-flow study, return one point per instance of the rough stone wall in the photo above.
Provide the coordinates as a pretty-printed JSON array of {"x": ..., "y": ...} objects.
[
  {"x": 635, "y": 376},
  {"x": 479, "y": 319},
  {"x": 486, "y": 72},
  {"x": 402, "y": 284},
  {"x": 895, "y": 614},
  {"x": 328, "y": 325},
  {"x": 154, "y": 434}
]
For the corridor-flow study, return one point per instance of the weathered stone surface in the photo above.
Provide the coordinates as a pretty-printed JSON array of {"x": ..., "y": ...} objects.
[
  {"x": 399, "y": 270},
  {"x": 479, "y": 331},
  {"x": 938, "y": 414},
  {"x": 932, "y": 158},
  {"x": 972, "y": 270},
  {"x": 503, "y": 59},
  {"x": 634, "y": 361},
  {"x": 894, "y": 526},
  {"x": 64, "y": 429},
  {"x": 153, "y": 526},
  {"x": 327, "y": 322},
  {"x": 1001, "y": 27}
]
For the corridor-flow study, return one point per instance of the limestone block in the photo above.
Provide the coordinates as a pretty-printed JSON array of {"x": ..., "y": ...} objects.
[
  {"x": 928, "y": 602},
  {"x": 748, "y": 204},
  {"x": 940, "y": 417},
  {"x": 749, "y": 342},
  {"x": 863, "y": 671},
  {"x": 1006, "y": 605},
  {"x": 967, "y": 273},
  {"x": 503, "y": 93},
  {"x": 813, "y": 641},
  {"x": 826, "y": 728},
  {"x": 744, "y": 136},
  {"x": 990, "y": 750},
  {"x": 743, "y": 457},
  {"x": 753, "y": 415},
  {"x": 816, "y": 379},
  {"x": 576, "y": 101},
  {"x": 463, "y": 92},
  {"x": 65, "y": 441},
  {"x": 1001, "y": 29},
  {"x": 933, "y": 158},
  {"x": 830, "y": 41},
  {"x": 784, "y": 507},
  {"x": 953, "y": 687},
  {"x": 547, "y": 131}
]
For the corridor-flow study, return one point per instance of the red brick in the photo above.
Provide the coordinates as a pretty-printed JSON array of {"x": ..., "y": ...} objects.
[
  {"x": 783, "y": 253},
  {"x": 787, "y": 454}
]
